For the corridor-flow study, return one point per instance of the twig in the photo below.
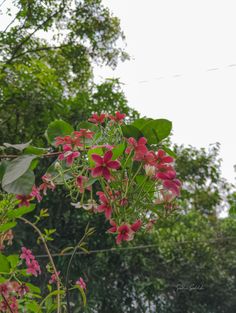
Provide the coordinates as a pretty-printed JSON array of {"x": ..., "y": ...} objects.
[{"x": 50, "y": 258}]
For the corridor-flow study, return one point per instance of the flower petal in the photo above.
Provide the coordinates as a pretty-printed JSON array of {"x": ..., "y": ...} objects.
[
  {"x": 107, "y": 156},
  {"x": 97, "y": 158},
  {"x": 106, "y": 173},
  {"x": 113, "y": 164},
  {"x": 97, "y": 171}
]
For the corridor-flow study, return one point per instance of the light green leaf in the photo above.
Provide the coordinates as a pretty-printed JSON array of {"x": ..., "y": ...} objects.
[{"x": 13, "y": 260}]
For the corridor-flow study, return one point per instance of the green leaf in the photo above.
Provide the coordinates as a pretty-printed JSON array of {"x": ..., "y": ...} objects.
[
  {"x": 118, "y": 151},
  {"x": 33, "y": 306},
  {"x": 33, "y": 288},
  {"x": 4, "y": 264},
  {"x": 98, "y": 151},
  {"x": 17, "y": 168},
  {"x": 22, "y": 186},
  {"x": 34, "y": 150},
  {"x": 21, "y": 211},
  {"x": 87, "y": 125},
  {"x": 131, "y": 131},
  {"x": 7, "y": 226},
  {"x": 57, "y": 128},
  {"x": 13, "y": 260},
  {"x": 169, "y": 151},
  {"x": 140, "y": 122},
  {"x": 156, "y": 130},
  {"x": 20, "y": 147}
]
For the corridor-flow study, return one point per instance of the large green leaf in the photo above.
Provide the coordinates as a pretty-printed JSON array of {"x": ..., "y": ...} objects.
[
  {"x": 4, "y": 264},
  {"x": 117, "y": 151},
  {"x": 17, "y": 168},
  {"x": 13, "y": 259},
  {"x": 131, "y": 131},
  {"x": 21, "y": 186},
  {"x": 58, "y": 128},
  {"x": 88, "y": 125},
  {"x": 156, "y": 130}
]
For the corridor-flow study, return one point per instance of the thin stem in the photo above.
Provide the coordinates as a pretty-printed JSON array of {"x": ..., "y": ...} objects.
[
  {"x": 13, "y": 156},
  {"x": 68, "y": 273},
  {"x": 50, "y": 258}
]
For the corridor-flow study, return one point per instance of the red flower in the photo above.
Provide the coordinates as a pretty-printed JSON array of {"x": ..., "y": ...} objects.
[
  {"x": 170, "y": 181},
  {"x": 104, "y": 164},
  {"x": 136, "y": 225},
  {"x": 47, "y": 184},
  {"x": 24, "y": 200},
  {"x": 68, "y": 140},
  {"x": 33, "y": 268},
  {"x": 139, "y": 148},
  {"x": 85, "y": 133},
  {"x": 105, "y": 205},
  {"x": 97, "y": 119},
  {"x": 112, "y": 229},
  {"x": 81, "y": 283},
  {"x": 125, "y": 233},
  {"x": 118, "y": 117},
  {"x": 26, "y": 255},
  {"x": 68, "y": 154}
]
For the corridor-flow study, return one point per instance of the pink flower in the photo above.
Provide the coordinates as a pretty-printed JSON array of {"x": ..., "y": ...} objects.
[
  {"x": 68, "y": 140},
  {"x": 33, "y": 268},
  {"x": 32, "y": 265},
  {"x": 36, "y": 193},
  {"x": 97, "y": 119},
  {"x": 80, "y": 182},
  {"x": 53, "y": 278},
  {"x": 139, "y": 148},
  {"x": 24, "y": 200},
  {"x": 104, "y": 206},
  {"x": 112, "y": 229},
  {"x": 170, "y": 181},
  {"x": 26, "y": 255},
  {"x": 4, "y": 289},
  {"x": 84, "y": 133},
  {"x": 68, "y": 154},
  {"x": 47, "y": 184},
  {"x": 104, "y": 164},
  {"x": 119, "y": 117},
  {"x": 125, "y": 233},
  {"x": 81, "y": 283},
  {"x": 136, "y": 225}
]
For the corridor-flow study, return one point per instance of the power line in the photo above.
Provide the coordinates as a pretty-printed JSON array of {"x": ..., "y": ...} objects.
[{"x": 140, "y": 247}]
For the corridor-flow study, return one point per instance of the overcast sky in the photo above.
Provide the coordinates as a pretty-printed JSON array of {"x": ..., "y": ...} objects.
[{"x": 183, "y": 68}]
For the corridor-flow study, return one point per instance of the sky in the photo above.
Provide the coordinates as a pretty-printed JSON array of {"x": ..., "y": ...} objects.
[{"x": 183, "y": 68}]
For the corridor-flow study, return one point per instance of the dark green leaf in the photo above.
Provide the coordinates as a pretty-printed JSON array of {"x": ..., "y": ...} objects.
[{"x": 131, "y": 131}]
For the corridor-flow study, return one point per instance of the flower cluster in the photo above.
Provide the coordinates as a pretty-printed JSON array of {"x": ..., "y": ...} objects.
[
  {"x": 32, "y": 265},
  {"x": 11, "y": 291},
  {"x": 131, "y": 178}
]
